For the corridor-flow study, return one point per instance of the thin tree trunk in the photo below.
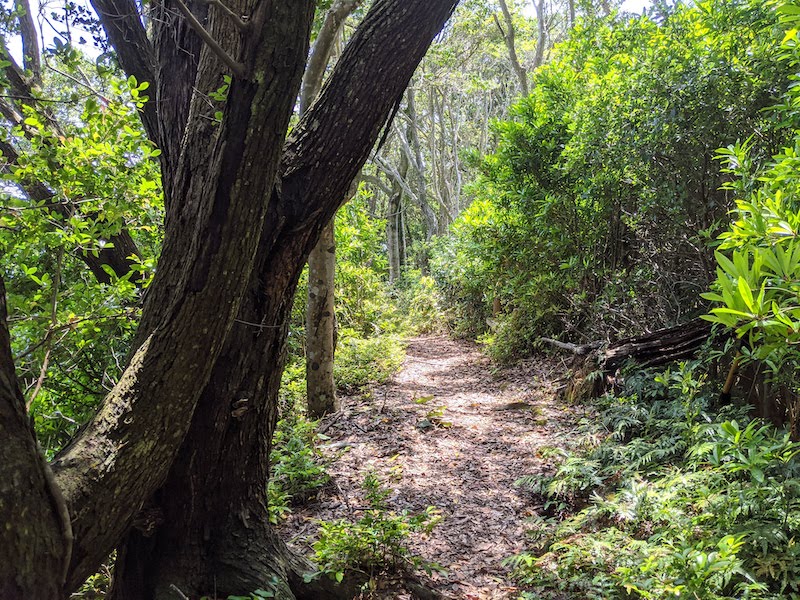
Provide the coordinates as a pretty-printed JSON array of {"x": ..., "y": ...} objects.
[
  {"x": 321, "y": 325},
  {"x": 541, "y": 39},
  {"x": 431, "y": 221},
  {"x": 320, "y": 301},
  {"x": 509, "y": 38},
  {"x": 394, "y": 225}
]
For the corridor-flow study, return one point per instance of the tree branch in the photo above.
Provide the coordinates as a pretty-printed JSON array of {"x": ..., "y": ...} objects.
[
  {"x": 393, "y": 173},
  {"x": 241, "y": 25},
  {"x": 31, "y": 58},
  {"x": 237, "y": 68},
  {"x": 323, "y": 47}
]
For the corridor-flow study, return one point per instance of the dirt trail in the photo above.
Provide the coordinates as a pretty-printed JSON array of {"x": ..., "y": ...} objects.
[{"x": 458, "y": 433}]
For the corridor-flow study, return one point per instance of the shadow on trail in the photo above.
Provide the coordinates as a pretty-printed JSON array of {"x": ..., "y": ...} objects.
[{"x": 449, "y": 433}]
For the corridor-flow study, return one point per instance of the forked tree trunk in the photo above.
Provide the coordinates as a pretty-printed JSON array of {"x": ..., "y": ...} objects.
[
  {"x": 216, "y": 209},
  {"x": 209, "y": 529}
]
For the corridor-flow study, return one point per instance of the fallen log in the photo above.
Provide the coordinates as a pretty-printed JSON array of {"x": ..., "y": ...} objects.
[
  {"x": 598, "y": 363},
  {"x": 596, "y": 370},
  {"x": 651, "y": 350},
  {"x": 658, "y": 348}
]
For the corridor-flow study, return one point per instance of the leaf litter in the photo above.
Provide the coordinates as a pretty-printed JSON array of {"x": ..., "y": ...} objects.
[{"x": 454, "y": 431}]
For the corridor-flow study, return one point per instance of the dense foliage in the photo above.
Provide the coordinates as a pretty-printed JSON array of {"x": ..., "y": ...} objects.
[
  {"x": 667, "y": 495},
  {"x": 756, "y": 288},
  {"x": 97, "y": 174},
  {"x": 595, "y": 212}
]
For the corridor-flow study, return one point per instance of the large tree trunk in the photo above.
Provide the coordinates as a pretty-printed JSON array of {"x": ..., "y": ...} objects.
[
  {"x": 228, "y": 232},
  {"x": 215, "y": 214},
  {"x": 35, "y": 537},
  {"x": 210, "y": 528}
]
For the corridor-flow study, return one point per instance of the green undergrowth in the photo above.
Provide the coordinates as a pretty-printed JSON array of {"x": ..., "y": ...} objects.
[
  {"x": 298, "y": 469},
  {"x": 361, "y": 362},
  {"x": 375, "y": 542},
  {"x": 667, "y": 496}
]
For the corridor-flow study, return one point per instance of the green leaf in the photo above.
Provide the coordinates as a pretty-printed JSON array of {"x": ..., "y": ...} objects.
[
  {"x": 726, "y": 264},
  {"x": 746, "y": 294}
]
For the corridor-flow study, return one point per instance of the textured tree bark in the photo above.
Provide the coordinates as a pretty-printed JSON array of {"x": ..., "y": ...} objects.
[
  {"x": 658, "y": 348},
  {"x": 210, "y": 525},
  {"x": 212, "y": 232},
  {"x": 35, "y": 539}
]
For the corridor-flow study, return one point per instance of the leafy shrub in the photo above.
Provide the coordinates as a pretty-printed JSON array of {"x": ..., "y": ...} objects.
[
  {"x": 360, "y": 361},
  {"x": 297, "y": 468},
  {"x": 676, "y": 499},
  {"x": 420, "y": 302},
  {"x": 376, "y": 542},
  {"x": 71, "y": 332},
  {"x": 758, "y": 263}
]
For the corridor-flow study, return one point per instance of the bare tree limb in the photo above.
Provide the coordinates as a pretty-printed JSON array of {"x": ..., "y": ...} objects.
[
  {"x": 579, "y": 349},
  {"x": 508, "y": 37},
  {"x": 392, "y": 173},
  {"x": 31, "y": 58}
]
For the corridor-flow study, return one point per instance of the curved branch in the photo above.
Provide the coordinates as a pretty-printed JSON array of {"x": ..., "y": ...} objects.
[
  {"x": 323, "y": 47},
  {"x": 30, "y": 503}
]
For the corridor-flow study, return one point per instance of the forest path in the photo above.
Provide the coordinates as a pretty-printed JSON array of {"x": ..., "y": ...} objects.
[{"x": 453, "y": 431}]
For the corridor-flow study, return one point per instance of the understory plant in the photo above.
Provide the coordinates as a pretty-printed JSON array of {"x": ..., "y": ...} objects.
[
  {"x": 668, "y": 496},
  {"x": 756, "y": 291},
  {"x": 297, "y": 465},
  {"x": 377, "y": 541}
]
